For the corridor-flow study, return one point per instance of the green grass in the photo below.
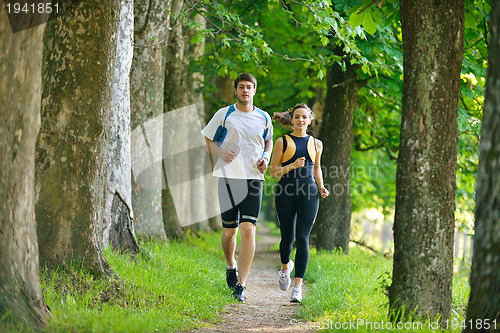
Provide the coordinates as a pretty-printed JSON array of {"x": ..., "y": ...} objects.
[
  {"x": 180, "y": 287},
  {"x": 352, "y": 289}
]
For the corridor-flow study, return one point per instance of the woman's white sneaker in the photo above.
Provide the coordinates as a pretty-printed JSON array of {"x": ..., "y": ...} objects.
[
  {"x": 296, "y": 294},
  {"x": 284, "y": 279}
]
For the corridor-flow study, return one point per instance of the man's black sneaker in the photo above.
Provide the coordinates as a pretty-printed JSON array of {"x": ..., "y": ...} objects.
[
  {"x": 238, "y": 293},
  {"x": 231, "y": 277}
]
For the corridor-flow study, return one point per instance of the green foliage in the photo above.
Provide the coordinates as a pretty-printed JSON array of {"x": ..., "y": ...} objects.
[
  {"x": 470, "y": 113},
  {"x": 251, "y": 34},
  {"x": 181, "y": 286},
  {"x": 373, "y": 181},
  {"x": 377, "y": 120},
  {"x": 368, "y": 14},
  {"x": 351, "y": 289},
  {"x": 290, "y": 45}
]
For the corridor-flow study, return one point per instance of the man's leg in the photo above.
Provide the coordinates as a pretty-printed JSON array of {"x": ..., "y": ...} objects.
[
  {"x": 228, "y": 240},
  {"x": 250, "y": 209},
  {"x": 247, "y": 250},
  {"x": 229, "y": 214}
]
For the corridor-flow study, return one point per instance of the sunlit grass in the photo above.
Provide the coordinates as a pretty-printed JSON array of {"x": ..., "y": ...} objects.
[
  {"x": 351, "y": 290},
  {"x": 180, "y": 286}
]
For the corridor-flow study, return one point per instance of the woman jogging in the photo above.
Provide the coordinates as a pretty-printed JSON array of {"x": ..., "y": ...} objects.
[{"x": 296, "y": 159}]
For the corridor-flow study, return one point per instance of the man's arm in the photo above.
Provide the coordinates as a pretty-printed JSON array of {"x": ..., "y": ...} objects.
[
  {"x": 264, "y": 160},
  {"x": 227, "y": 155}
]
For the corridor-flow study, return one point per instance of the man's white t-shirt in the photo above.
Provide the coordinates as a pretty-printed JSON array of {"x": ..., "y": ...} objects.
[{"x": 244, "y": 136}]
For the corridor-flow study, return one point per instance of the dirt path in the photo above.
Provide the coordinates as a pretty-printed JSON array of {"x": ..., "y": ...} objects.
[{"x": 267, "y": 308}]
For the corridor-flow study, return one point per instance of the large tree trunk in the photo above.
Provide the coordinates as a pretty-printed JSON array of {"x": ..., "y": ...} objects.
[
  {"x": 20, "y": 95},
  {"x": 146, "y": 84},
  {"x": 119, "y": 228},
  {"x": 184, "y": 200},
  {"x": 334, "y": 216},
  {"x": 72, "y": 151},
  {"x": 174, "y": 98},
  {"x": 424, "y": 220},
  {"x": 484, "y": 301}
]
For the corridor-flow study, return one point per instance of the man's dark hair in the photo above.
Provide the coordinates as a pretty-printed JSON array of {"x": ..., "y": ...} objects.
[{"x": 245, "y": 77}]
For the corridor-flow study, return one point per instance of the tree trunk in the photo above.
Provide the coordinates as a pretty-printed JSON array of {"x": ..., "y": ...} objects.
[
  {"x": 199, "y": 188},
  {"x": 224, "y": 95},
  {"x": 484, "y": 301},
  {"x": 334, "y": 216},
  {"x": 184, "y": 203},
  {"x": 21, "y": 298},
  {"x": 424, "y": 220},
  {"x": 318, "y": 107},
  {"x": 146, "y": 84},
  {"x": 119, "y": 228},
  {"x": 72, "y": 150},
  {"x": 174, "y": 97}
]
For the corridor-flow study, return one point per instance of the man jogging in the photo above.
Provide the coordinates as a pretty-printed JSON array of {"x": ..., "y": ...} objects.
[{"x": 240, "y": 135}]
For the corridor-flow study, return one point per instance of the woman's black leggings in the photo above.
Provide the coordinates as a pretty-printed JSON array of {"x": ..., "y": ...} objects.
[{"x": 296, "y": 206}]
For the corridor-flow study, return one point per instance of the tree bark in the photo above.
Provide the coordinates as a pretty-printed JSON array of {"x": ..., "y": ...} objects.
[
  {"x": 224, "y": 95},
  {"x": 21, "y": 298},
  {"x": 119, "y": 228},
  {"x": 424, "y": 220},
  {"x": 199, "y": 188},
  {"x": 484, "y": 301},
  {"x": 318, "y": 107},
  {"x": 334, "y": 216},
  {"x": 146, "y": 84},
  {"x": 174, "y": 97},
  {"x": 72, "y": 148},
  {"x": 181, "y": 91}
]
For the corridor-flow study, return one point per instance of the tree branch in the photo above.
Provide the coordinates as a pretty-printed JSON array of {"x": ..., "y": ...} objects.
[
  {"x": 290, "y": 12},
  {"x": 463, "y": 102},
  {"x": 357, "y": 81},
  {"x": 363, "y": 244},
  {"x": 305, "y": 5},
  {"x": 382, "y": 144},
  {"x": 284, "y": 56},
  {"x": 368, "y": 6}
]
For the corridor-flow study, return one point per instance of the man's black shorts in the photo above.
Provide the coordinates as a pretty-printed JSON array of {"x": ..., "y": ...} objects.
[{"x": 239, "y": 200}]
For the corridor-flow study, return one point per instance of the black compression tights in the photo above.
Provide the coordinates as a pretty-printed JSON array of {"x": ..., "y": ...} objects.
[{"x": 296, "y": 206}]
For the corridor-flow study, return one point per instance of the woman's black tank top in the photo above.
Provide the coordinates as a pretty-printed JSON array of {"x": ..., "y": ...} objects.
[{"x": 295, "y": 147}]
